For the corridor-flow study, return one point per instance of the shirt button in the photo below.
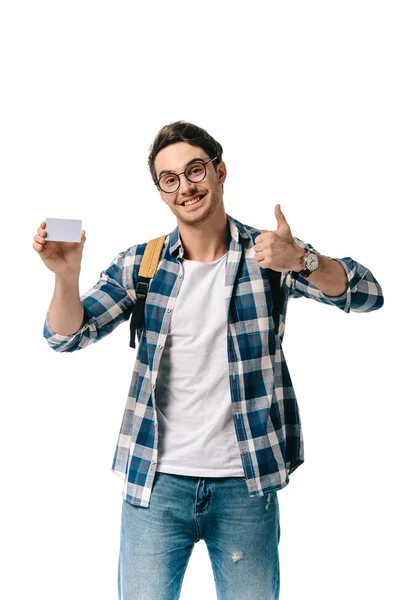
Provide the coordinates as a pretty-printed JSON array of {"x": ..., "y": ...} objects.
[
  {"x": 180, "y": 275},
  {"x": 169, "y": 310},
  {"x": 153, "y": 385},
  {"x": 160, "y": 347}
]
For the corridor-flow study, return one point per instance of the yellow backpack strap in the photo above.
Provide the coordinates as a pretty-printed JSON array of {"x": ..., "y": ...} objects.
[
  {"x": 276, "y": 293},
  {"x": 147, "y": 270},
  {"x": 151, "y": 257}
]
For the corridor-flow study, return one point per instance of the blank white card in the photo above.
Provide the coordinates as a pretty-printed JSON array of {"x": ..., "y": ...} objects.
[{"x": 63, "y": 230}]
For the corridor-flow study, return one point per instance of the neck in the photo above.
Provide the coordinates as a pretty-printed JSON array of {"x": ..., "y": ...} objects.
[{"x": 206, "y": 241}]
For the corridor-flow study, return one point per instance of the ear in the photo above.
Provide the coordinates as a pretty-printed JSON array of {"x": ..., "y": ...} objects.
[{"x": 221, "y": 172}]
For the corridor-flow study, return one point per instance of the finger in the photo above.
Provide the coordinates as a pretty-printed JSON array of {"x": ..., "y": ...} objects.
[
  {"x": 259, "y": 237},
  {"x": 37, "y": 247},
  {"x": 40, "y": 239},
  {"x": 41, "y": 229}
]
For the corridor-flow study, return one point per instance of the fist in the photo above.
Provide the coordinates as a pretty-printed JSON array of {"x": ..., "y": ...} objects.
[{"x": 277, "y": 250}]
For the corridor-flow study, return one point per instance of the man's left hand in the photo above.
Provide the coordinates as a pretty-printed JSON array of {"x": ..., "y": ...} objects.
[{"x": 277, "y": 250}]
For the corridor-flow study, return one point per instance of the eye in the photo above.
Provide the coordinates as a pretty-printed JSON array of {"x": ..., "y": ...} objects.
[
  {"x": 168, "y": 179},
  {"x": 196, "y": 169}
]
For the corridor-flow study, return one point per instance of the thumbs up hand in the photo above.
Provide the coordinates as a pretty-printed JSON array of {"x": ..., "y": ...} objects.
[{"x": 277, "y": 250}]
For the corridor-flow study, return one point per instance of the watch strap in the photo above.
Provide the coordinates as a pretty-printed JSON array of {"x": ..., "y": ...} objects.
[{"x": 306, "y": 272}]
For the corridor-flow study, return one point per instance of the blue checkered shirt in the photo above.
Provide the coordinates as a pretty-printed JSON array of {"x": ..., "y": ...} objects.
[{"x": 264, "y": 406}]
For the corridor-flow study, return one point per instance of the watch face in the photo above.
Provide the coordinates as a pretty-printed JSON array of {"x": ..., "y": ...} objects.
[{"x": 312, "y": 262}]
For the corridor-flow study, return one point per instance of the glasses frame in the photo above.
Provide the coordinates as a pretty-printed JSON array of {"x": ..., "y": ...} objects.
[{"x": 157, "y": 183}]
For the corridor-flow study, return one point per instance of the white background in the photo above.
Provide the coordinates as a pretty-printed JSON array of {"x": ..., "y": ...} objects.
[{"x": 304, "y": 98}]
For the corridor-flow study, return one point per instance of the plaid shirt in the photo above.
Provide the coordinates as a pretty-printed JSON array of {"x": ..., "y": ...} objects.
[{"x": 264, "y": 406}]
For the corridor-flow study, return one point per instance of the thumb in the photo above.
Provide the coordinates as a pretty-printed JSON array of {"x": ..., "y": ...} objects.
[{"x": 280, "y": 218}]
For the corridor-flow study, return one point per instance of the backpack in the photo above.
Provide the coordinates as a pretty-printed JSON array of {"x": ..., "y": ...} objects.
[{"x": 148, "y": 268}]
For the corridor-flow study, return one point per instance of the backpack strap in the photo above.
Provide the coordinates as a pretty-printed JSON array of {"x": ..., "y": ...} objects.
[
  {"x": 148, "y": 268},
  {"x": 276, "y": 293}
]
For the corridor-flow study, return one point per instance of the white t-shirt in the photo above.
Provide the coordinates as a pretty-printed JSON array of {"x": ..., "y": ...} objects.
[{"x": 196, "y": 434}]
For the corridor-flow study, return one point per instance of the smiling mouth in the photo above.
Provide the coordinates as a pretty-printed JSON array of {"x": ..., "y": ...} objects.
[{"x": 193, "y": 202}]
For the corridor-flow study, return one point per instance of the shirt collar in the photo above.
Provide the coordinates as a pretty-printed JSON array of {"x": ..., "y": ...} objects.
[{"x": 237, "y": 230}]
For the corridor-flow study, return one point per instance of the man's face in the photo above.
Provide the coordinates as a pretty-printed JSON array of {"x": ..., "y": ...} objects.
[{"x": 174, "y": 159}]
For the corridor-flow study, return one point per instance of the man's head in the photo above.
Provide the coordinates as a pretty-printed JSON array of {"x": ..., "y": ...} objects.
[{"x": 183, "y": 147}]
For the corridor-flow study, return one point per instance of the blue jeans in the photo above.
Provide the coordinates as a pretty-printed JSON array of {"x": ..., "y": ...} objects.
[{"x": 242, "y": 536}]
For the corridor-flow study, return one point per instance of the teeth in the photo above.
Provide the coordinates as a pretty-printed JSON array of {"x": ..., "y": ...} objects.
[{"x": 192, "y": 201}]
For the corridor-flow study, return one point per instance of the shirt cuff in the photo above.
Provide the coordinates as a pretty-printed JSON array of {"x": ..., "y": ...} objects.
[
  {"x": 49, "y": 332},
  {"x": 353, "y": 277}
]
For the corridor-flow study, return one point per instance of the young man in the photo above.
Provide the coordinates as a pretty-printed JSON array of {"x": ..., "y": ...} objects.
[{"x": 211, "y": 429}]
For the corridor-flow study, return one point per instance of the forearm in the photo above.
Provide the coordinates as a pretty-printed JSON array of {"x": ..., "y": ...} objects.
[
  {"x": 66, "y": 312},
  {"x": 330, "y": 277}
]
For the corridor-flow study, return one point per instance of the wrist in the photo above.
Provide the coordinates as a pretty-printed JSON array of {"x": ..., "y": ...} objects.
[
  {"x": 70, "y": 278},
  {"x": 299, "y": 263}
]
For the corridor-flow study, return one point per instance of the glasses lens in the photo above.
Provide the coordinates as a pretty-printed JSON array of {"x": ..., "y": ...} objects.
[
  {"x": 196, "y": 172},
  {"x": 169, "y": 182}
]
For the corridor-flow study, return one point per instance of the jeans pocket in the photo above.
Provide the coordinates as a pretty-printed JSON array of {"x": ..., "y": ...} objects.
[{"x": 272, "y": 498}]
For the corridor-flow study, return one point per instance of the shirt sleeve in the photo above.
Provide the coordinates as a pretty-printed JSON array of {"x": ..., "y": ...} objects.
[
  {"x": 363, "y": 293},
  {"x": 106, "y": 305}
]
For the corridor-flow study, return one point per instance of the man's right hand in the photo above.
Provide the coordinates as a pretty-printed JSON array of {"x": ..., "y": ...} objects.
[{"x": 63, "y": 258}]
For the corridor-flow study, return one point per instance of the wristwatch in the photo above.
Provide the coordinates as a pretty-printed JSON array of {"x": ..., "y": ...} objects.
[{"x": 311, "y": 263}]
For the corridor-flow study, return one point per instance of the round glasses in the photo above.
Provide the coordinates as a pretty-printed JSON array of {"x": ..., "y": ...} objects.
[{"x": 195, "y": 172}]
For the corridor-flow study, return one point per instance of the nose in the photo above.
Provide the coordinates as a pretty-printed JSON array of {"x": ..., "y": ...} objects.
[{"x": 186, "y": 187}]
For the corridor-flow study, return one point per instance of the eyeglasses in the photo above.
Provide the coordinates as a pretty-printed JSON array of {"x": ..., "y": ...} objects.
[{"x": 195, "y": 172}]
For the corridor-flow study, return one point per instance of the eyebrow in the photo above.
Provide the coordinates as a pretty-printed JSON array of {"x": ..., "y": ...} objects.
[{"x": 187, "y": 164}]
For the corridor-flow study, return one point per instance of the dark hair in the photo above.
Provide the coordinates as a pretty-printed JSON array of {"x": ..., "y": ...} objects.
[{"x": 182, "y": 131}]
